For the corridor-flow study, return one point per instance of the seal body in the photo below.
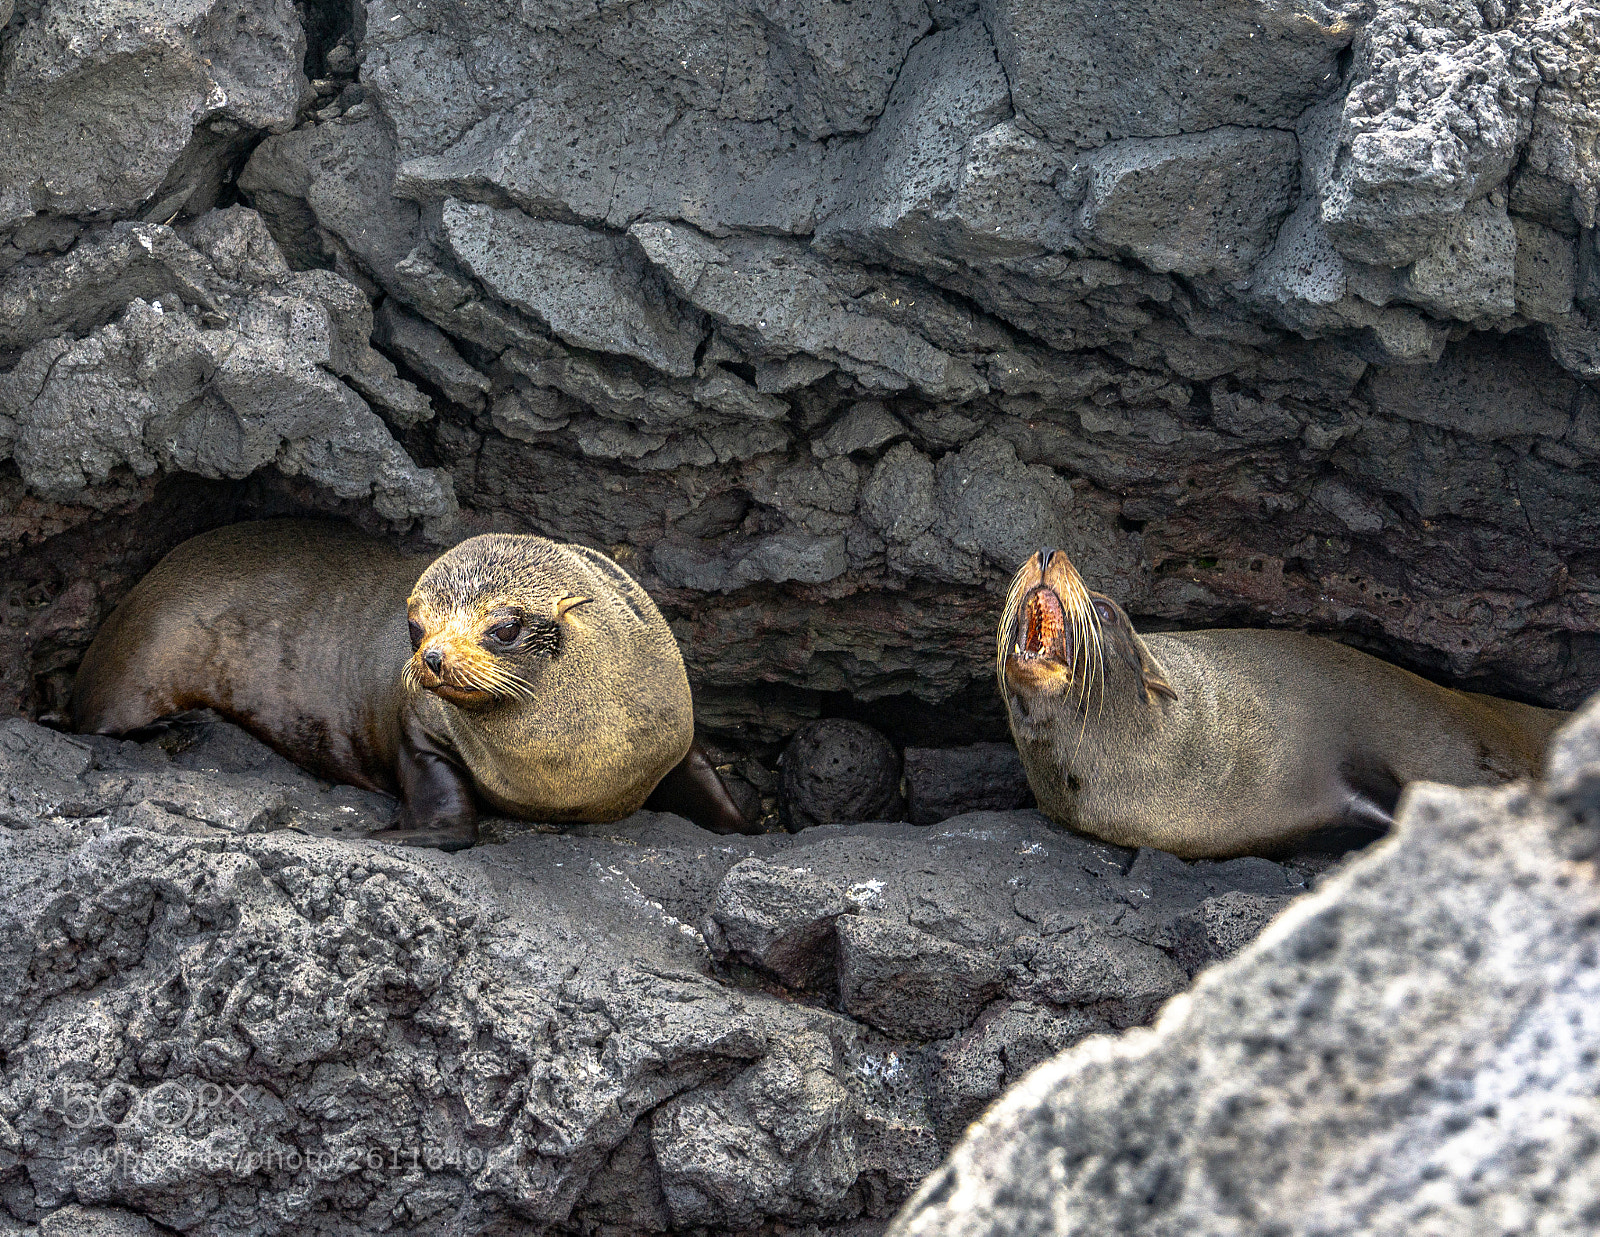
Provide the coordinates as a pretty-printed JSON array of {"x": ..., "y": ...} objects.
[
  {"x": 537, "y": 677},
  {"x": 1219, "y": 743}
]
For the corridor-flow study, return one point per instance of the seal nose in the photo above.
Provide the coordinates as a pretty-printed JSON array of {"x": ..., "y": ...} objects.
[
  {"x": 434, "y": 660},
  {"x": 1045, "y": 555}
]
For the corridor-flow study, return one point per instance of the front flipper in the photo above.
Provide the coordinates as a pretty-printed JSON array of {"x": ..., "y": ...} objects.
[
  {"x": 695, "y": 791},
  {"x": 437, "y": 809}
]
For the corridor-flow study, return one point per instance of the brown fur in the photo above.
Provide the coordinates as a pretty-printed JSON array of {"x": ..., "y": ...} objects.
[
  {"x": 298, "y": 631},
  {"x": 1217, "y": 743}
]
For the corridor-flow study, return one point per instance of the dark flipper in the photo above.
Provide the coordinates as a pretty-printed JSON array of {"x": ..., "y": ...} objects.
[
  {"x": 437, "y": 809},
  {"x": 694, "y": 790},
  {"x": 1372, "y": 793}
]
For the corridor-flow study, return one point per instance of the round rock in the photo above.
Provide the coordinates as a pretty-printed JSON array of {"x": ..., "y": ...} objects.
[{"x": 835, "y": 771}]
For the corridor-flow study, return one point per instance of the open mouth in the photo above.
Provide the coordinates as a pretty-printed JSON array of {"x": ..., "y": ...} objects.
[{"x": 1041, "y": 627}]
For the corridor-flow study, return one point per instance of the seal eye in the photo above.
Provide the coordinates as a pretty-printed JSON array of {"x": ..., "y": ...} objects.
[
  {"x": 416, "y": 634},
  {"x": 506, "y": 632}
]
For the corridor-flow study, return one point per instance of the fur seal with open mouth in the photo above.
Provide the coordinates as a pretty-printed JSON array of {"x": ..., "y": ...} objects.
[
  {"x": 537, "y": 677},
  {"x": 1211, "y": 744}
]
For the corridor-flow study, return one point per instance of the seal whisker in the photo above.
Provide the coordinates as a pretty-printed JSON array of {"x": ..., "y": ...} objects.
[
  {"x": 499, "y": 681},
  {"x": 483, "y": 678},
  {"x": 1086, "y": 633},
  {"x": 513, "y": 685},
  {"x": 1008, "y": 624},
  {"x": 1099, "y": 661}
]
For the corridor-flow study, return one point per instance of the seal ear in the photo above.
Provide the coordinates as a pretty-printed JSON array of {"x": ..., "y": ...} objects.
[
  {"x": 570, "y": 602},
  {"x": 1115, "y": 624},
  {"x": 1155, "y": 678}
]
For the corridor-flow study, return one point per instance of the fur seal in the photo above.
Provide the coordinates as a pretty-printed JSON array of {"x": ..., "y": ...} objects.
[
  {"x": 537, "y": 677},
  {"x": 1212, "y": 744}
]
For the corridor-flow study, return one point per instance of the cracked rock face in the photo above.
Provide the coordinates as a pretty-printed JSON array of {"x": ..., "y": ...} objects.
[
  {"x": 224, "y": 1012},
  {"x": 819, "y": 321},
  {"x": 1412, "y": 1047},
  {"x": 129, "y": 111},
  {"x": 818, "y": 318},
  {"x": 214, "y": 372}
]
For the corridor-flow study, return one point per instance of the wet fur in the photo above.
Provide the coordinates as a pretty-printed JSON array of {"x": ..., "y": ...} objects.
[{"x": 1218, "y": 743}]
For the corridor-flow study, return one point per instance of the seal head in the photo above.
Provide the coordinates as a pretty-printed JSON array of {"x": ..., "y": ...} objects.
[
  {"x": 550, "y": 673},
  {"x": 1063, "y": 648},
  {"x": 483, "y": 626}
]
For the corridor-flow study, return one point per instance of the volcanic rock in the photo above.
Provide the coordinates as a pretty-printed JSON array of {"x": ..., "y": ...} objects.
[
  {"x": 837, "y": 771},
  {"x": 225, "y": 1009},
  {"x": 1412, "y": 1045},
  {"x": 945, "y": 782}
]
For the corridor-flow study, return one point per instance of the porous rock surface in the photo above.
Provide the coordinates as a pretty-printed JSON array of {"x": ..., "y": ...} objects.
[
  {"x": 223, "y": 1012},
  {"x": 1410, "y": 1049},
  {"x": 821, "y": 316},
  {"x": 219, "y": 360},
  {"x": 836, "y": 771},
  {"x": 818, "y": 317}
]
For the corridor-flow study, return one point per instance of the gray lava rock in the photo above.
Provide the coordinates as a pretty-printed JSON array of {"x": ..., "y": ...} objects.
[
  {"x": 776, "y": 300},
  {"x": 900, "y": 190},
  {"x": 837, "y": 770},
  {"x": 907, "y": 982},
  {"x": 210, "y": 1027},
  {"x": 1193, "y": 204},
  {"x": 866, "y": 427},
  {"x": 780, "y": 920},
  {"x": 592, "y": 290},
  {"x": 109, "y": 107},
  {"x": 719, "y": 152},
  {"x": 1413, "y": 1046},
  {"x": 429, "y": 351},
  {"x": 1091, "y": 76},
  {"x": 201, "y": 372},
  {"x": 1379, "y": 207},
  {"x": 948, "y": 781}
]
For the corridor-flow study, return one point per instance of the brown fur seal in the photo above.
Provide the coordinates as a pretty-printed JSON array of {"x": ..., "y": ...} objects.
[
  {"x": 538, "y": 675},
  {"x": 1217, "y": 743}
]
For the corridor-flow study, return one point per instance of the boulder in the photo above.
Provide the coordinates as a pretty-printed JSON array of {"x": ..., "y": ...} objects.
[{"x": 836, "y": 771}]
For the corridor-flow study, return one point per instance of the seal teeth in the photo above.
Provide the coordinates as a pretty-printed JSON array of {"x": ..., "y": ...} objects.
[{"x": 1042, "y": 629}]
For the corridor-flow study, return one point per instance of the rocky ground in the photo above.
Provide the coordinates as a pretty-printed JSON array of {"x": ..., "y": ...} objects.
[
  {"x": 225, "y": 1012},
  {"x": 1410, "y": 1049}
]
